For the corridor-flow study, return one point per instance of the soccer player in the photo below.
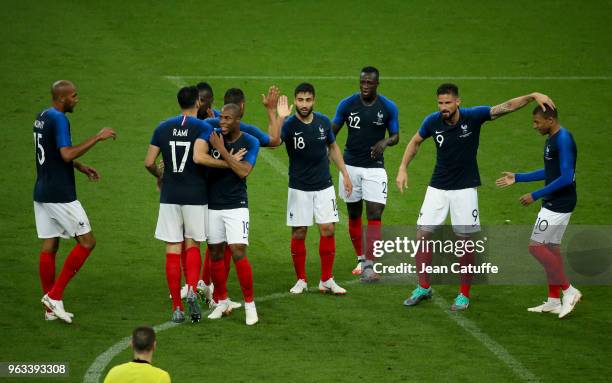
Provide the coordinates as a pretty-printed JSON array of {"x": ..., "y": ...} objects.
[
  {"x": 308, "y": 139},
  {"x": 368, "y": 115},
  {"x": 57, "y": 211},
  {"x": 270, "y": 139},
  {"x": 456, "y": 132},
  {"x": 140, "y": 369},
  {"x": 183, "y": 209},
  {"x": 228, "y": 219},
  {"x": 207, "y": 100},
  {"x": 558, "y": 201}
]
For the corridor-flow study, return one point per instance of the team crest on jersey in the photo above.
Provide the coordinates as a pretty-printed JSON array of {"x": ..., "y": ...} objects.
[
  {"x": 547, "y": 153},
  {"x": 465, "y": 131},
  {"x": 322, "y": 131},
  {"x": 380, "y": 116}
]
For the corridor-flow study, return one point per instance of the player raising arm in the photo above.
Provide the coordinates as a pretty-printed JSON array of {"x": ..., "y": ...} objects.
[
  {"x": 57, "y": 211},
  {"x": 558, "y": 202},
  {"x": 456, "y": 132},
  {"x": 308, "y": 138}
]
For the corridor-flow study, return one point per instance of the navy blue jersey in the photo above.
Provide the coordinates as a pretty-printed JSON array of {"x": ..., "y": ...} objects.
[
  {"x": 225, "y": 189},
  {"x": 306, "y": 146},
  {"x": 457, "y": 147},
  {"x": 183, "y": 182},
  {"x": 263, "y": 138},
  {"x": 560, "y": 154},
  {"x": 54, "y": 176},
  {"x": 366, "y": 126}
]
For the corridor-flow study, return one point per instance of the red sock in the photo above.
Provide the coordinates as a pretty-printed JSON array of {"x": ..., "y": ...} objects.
[
  {"x": 327, "y": 251},
  {"x": 557, "y": 251},
  {"x": 355, "y": 232},
  {"x": 72, "y": 264},
  {"x": 373, "y": 234},
  {"x": 46, "y": 270},
  {"x": 552, "y": 262},
  {"x": 466, "y": 278},
  {"x": 227, "y": 260},
  {"x": 423, "y": 259},
  {"x": 173, "y": 276},
  {"x": 298, "y": 254},
  {"x": 206, "y": 268},
  {"x": 245, "y": 277},
  {"x": 194, "y": 263},
  {"x": 184, "y": 260},
  {"x": 554, "y": 291},
  {"x": 217, "y": 273}
]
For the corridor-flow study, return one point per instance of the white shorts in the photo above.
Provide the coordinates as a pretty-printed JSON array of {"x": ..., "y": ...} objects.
[
  {"x": 66, "y": 220},
  {"x": 230, "y": 225},
  {"x": 369, "y": 184},
  {"x": 463, "y": 206},
  {"x": 302, "y": 205},
  {"x": 177, "y": 222},
  {"x": 550, "y": 226}
]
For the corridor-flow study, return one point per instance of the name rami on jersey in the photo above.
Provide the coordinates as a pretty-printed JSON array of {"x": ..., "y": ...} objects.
[
  {"x": 180, "y": 132},
  {"x": 39, "y": 124}
]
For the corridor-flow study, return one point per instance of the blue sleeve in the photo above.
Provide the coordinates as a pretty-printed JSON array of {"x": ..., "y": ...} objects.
[
  {"x": 252, "y": 151},
  {"x": 62, "y": 132},
  {"x": 263, "y": 138},
  {"x": 216, "y": 113},
  {"x": 206, "y": 130},
  {"x": 481, "y": 113},
  {"x": 393, "y": 125},
  {"x": 566, "y": 159},
  {"x": 425, "y": 129},
  {"x": 341, "y": 111},
  {"x": 331, "y": 138},
  {"x": 214, "y": 122},
  {"x": 537, "y": 175}
]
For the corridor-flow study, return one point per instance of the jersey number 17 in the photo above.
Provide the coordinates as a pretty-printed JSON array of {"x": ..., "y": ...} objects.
[{"x": 173, "y": 145}]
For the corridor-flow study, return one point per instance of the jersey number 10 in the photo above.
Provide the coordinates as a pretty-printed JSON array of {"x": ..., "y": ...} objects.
[{"x": 173, "y": 145}]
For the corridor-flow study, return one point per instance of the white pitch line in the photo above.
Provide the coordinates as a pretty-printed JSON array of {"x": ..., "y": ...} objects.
[
  {"x": 94, "y": 372},
  {"x": 495, "y": 348},
  {"x": 180, "y": 79}
]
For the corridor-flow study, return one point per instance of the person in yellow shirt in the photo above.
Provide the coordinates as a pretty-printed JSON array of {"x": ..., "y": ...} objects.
[{"x": 140, "y": 369}]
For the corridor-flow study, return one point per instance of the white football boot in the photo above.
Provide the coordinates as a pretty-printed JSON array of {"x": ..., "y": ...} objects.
[
  {"x": 251, "y": 313},
  {"x": 300, "y": 287},
  {"x": 57, "y": 307},
  {"x": 552, "y": 305},
  {"x": 331, "y": 286},
  {"x": 206, "y": 291},
  {"x": 357, "y": 270},
  {"x": 571, "y": 296},
  {"x": 222, "y": 308}
]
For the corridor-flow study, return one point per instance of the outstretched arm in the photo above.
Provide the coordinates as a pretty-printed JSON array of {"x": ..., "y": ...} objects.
[
  {"x": 411, "y": 150},
  {"x": 70, "y": 153},
  {"x": 282, "y": 111},
  {"x": 90, "y": 172},
  {"x": 517, "y": 103},
  {"x": 270, "y": 102},
  {"x": 510, "y": 178}
]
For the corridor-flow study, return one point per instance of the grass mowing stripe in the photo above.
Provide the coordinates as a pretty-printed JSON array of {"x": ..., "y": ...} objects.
[
  {"x": 496, "y": 349},
  {"x": 178, "y": 79},
  {"x": 94, "y": 372}
]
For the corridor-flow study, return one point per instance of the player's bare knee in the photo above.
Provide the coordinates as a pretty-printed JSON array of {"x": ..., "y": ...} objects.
[
  {"x": 326, "y": 230},
  {"x": 88, "y": 240},
  {"x": 238, "y": 251},
  {"x": 374, "y": 210},
  {"x": 354, "y": 209},
  {"x": 50, "y": 245},
  {"x": 299, "y": 232}
]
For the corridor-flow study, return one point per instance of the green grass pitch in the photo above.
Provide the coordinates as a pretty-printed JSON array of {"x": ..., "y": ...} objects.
[{"x": 128, "y": 59}]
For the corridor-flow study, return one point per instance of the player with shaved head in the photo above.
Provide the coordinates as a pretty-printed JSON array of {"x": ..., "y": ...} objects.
[
  {"x": 228, "y": 218},
  {"x": 57, "y": 211}
]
